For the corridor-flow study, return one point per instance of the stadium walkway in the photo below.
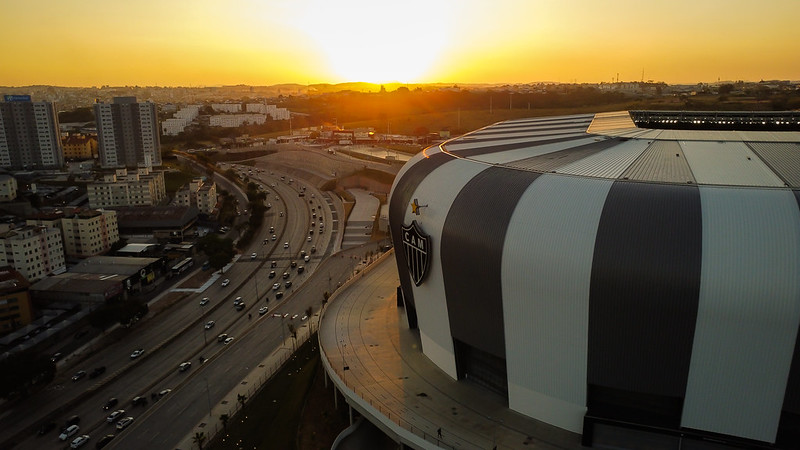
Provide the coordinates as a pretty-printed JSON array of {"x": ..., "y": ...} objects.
[{"x": 376, "y": 362}]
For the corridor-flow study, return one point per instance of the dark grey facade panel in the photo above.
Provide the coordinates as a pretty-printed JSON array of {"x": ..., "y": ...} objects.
[
  {"x": 531, "y": 136},
  {"x": 644, "y": 290},
  {"x": 663, "y": 161},
  {"x": 544, "y": 120},
  {"x": 782, "y": 157},
  {"x": 791, "y": 401},
  {"x": 473, "y": 236},
  {"x": 398, "y": 205},
  {"x": 526, "y": 129},
  {"x": 488, "y": 149},
  {"x": 553, "y": 161}
]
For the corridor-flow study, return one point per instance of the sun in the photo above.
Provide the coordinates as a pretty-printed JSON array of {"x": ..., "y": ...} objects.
[{"x": 377, "y": 41}]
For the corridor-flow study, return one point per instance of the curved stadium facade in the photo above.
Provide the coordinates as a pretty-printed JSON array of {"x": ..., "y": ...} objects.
[{"x": 628, "y": 283}]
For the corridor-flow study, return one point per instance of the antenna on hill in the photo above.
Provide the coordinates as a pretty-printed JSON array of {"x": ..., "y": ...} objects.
[{"x": 642, "y": 74}]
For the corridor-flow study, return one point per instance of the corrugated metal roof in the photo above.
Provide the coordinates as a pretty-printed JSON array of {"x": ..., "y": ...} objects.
[
  {"x": 609, "y": 163},
  {"x": 662, "y": 161},
  {"x": 727, "y": 163},
  {"x": 552, "y": 161},
  {"x": 782, "y": 158}
]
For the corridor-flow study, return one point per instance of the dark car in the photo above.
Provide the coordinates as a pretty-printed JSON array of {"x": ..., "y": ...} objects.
[
  {"x": 46, "y": 428},
  {"x": 273, "y": 264},
  {"x": 293, "y": 264},
  {"x": 112, "y": 402},
  {"x": 104, "y": 441},
  {"x": 78, "y": 375},
  {"x": 300, "y": 269},
  {"x": 74, "y": 420},
  {"x": 97, "y": 371},
  {"x": 138, "y": 400}
]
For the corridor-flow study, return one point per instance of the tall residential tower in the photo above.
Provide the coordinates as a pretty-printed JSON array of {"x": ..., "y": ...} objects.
[
  {"x": 128, "y": 133},
  {"x": 29, "y": 136}
]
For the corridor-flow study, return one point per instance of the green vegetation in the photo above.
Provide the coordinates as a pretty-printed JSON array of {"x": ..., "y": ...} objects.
[
  {"x": 22, "y": 371},
  {"x": 124, "y": 312},
  {"x": 219, "y": 250},
  {"x": 175, "y": 179}
]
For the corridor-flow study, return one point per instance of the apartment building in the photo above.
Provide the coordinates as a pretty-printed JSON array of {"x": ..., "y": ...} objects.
[
  {"x": 236, "y": 120},
  {"x": 35, "y": 251},
  {"x": 79, "y": 146},
  {"x": 200, "y": 194},
  {"x": 85, "y": 232},
  {"x": 8, "y": 188},
  {"x": 142, "y": 187},
  {"x": 15, "y": 300},
  {"x": 128, "y": 133},
  {"x": 29, "y": 137}
]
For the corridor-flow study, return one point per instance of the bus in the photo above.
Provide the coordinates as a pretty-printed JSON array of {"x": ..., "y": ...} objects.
[{"x": 182, "y": 266}]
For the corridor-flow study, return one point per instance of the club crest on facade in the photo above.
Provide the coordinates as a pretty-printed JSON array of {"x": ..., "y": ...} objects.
[{"x": 417, "y": 249}]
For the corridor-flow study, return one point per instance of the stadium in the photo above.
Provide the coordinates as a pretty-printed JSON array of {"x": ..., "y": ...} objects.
[{"x": 631, "y": 277}]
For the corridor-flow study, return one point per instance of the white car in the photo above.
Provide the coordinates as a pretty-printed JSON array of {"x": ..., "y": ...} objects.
[
  {"x": 228, "y": 340},
  {"x": 115, "y": 415},
  {"x": 294, "y": 316},
  {"x": 304, "y": 318},
  {"x": 210, "y": 324},
  {"x": 69, "y": 432},
  {"x": 276, "y": 286},
  {"x": 123, "y": 423},
  {"x": 204, "y": 301},
  {"x": 285, "y": 245},
  {"x": 226, "y": 282},
  {"x": 263, "y": 310},
  {"x": 309, "y": 239},
  {"x": 237, "y": 301},
  {"x": 253, "y": 255},
  {"x": 137, "y": 353},
  {"x": 79, "y": 441},
  {"x": 306, "y": 258},
  {"x": 184, "y": 366}
]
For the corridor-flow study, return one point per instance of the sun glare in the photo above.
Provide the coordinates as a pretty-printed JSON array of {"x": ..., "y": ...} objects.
[{"x": 376, "y": 41}]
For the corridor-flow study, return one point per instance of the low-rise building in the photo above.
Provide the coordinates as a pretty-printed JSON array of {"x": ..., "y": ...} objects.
[
  {"x": 15, "y": 300},
  {"x": 164, "y": 223},
  {"x": 35, "y": 251},
  {"x": 85, "y": 232},
  {"x": 120, "y": 189},
  {"x": 200, "y": 194},
  {"x": 79, "y": 146},
  {"x": 236, "y": 120}
]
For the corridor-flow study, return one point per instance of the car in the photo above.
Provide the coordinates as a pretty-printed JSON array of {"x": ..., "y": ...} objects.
[
  {"x": 226, "y": 282},
  {"x": 306, "y": 258},
  {"x": 285, "y": 275},
  {"x": 253, "y": 255},
  {"x": 210, "y": 324},
  {"x": 311, "y": 231},
  {"x": 276, "y": 286},
  {"x": 263, "y": 310},
  {"x": 313, "y": 249},
  {"x": 237, "y": 301},
  {"x": 304, "y": 318},
  {"x": 274, "y": 238},
  {"x": 280, "y": 214},
  {"x": 46, "y": 428},
  {"x": 285, "y": 245},
  {"x": 272, "y": 274},
  {"x": 294, "y": 316},
  {"x": 97, "y": 371},
  {"x": 55, "y": 357},
  {"x": 222, "y": 337},
  {"x": 184, "y": 366},
  {"x": 302, "y": 253},
  {"x": 279, "y": 294},
  {"x": 273, "y": 264},
  {"x": 204, "y": 301},
  {"x": 293, "y": 264},
  {"x": 228, "y": 340},
  {"x": 115, "y": 415},
  {"x": 265, "y": 241},
  {"x": 288, "y": 283},
  {"x": 164, "y": 392},
  {"x": 124, "y": 423},
  {"x": 312, "y": 224},
  {"x": 104, "y": 441},
  {"x": 139, "y": 400},
  {"x": 79, "y": 441},
  {"x": 314, "y": 215},
  {"x": 78, "y": 375},
  {"x": 309, "y": 239},
  {"x": 69, "y": 432},
  {"x": 240, "y": 306},
  {"x": 137, "y": 353},
  {"x": 300, "y": 269},
  {"x": 285, "y": 315},
  {"x": 112, "y": 402},
  {"x": 271, "y": 229}
]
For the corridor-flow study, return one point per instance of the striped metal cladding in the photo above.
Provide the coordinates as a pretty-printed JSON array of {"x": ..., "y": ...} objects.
[
  {"x": 727, "y": 163},
  {"x": 609, "y": 163},
  {"x": 663, "y": 161},
  {"x": 782, "y": 158},
  {"x": 471, "y": 254},
  {"x": 470, "y": 151},
  {"x": 748, "y": 312},
  {"x": 400, "y": 200},
  {"x": 644, "y": 289},
  {"x": 553, "y": 161}
]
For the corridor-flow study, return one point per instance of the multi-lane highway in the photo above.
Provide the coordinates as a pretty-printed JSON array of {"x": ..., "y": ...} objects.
[{"x": 178, "y": 335}]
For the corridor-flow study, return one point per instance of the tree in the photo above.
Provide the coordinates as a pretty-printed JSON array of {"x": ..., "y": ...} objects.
[
  {"x": 725, "y": 89},
  {"x": 241, "y": 398},
  {"x": 325, "y": 296},
  {"x": 199, "y": 438}
]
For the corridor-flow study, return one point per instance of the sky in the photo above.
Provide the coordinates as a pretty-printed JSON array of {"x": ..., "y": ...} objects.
[{"x": 266, "y": 42}]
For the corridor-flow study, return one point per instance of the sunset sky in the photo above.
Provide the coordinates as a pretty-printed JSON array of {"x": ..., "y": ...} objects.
[{"x": 263, "y": 42}]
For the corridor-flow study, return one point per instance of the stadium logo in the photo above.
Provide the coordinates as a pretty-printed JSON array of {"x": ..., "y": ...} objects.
[{"x": 417, "y": 248}]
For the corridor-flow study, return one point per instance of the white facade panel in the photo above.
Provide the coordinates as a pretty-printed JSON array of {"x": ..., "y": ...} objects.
[
  {"x": 546, "y": 298},
  {"x": 438, "y": 190},
  {"x": 464, "y": 144},
  {"x": 727, "y": 163},
  {"x": 748, "y": 312},
  {"x": 609, "y": 163}
]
